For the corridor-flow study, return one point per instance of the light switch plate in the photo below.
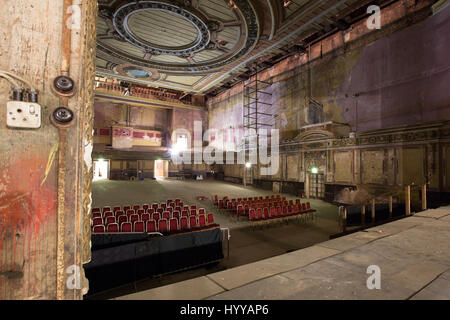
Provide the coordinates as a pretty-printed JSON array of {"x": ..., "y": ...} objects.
[{"x": 20, "y": 114}]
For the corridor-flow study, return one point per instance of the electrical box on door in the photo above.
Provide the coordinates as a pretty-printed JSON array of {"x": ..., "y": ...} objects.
[{"x": 22, "y": 114}]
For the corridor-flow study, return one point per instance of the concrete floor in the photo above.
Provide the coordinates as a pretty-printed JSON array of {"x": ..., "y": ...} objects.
[
  {"x": 413, "y": 256},
  {"x": 247, "y": 244}
]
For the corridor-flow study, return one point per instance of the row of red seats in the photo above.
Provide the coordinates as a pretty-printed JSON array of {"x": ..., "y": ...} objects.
[
  {"x": 109, "y": 216},
  {"x": 226, "y": 203},
  {"x": 234, "y": 206},
  {"x": 145, "y": 207},
  {"x": 161, "y": 225},
  {"x": 267, "y": 213},
  {"x": 257, "y": 198},
  {"x": 190, "y": 210}
]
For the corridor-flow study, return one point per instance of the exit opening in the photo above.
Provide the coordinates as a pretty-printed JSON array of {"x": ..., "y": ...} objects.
[{"x": 101, "y": 170}]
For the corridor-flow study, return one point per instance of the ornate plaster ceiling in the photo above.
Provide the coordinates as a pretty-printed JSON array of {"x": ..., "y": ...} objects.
[
  {"x": 174, "y": 42},
  {"x": 194, "y": 45}
]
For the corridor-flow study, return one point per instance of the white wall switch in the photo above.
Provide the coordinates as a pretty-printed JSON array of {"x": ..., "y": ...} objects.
[{"x": 22, "y": 114}]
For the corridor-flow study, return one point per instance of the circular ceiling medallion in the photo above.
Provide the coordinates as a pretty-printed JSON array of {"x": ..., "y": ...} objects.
[
  {"x": 174, "y": 39},
  {"x": 129, "y": 18}
]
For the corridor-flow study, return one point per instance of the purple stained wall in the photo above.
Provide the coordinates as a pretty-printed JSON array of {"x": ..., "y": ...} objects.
[{"x": 402, "y": 79}]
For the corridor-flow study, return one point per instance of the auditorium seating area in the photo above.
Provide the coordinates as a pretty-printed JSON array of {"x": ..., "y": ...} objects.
[
  {"x": 169, "y": 217},
  {"x": 264, "y": 209}
]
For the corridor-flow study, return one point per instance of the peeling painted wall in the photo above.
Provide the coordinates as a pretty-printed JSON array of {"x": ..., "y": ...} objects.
[
  {"x": 108, "y": 114},
  {"x": 400, "y": 79},
  {"x": 30, "y": 46}
]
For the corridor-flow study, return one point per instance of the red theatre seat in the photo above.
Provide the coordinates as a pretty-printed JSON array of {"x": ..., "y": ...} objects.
[
  {"x": 185, "y": 213},
  {"x": 156, "y": 216},
  {"x": 173, "y": 224},
  {"x": 151, "y": 226},
  {"x": 279, "y": 211},
  {"x": 252, "y": 214},
  {"x": 145, "y": 217},
  {"x": 130, "y": 212},
  {"x": 259, "y": 213},
  {"x": 106, "y": 209},
  {"x": 126, "y": 227},
  {"x": 193, "y": 221},
  {"x": 162, "y": 225},
  {"x": 97, "y": 221},
  {"x": 139, "y": 226},
  {"x": 176, "y": 214},
  {"x": 266, "y": 213},
  {"x": 184, "y": 223},
  {"x": 202, "y": 220},
  {"x": 193, "y": 212},
  {"x": 136, "y": 207},
  {"x": 113, "y": 227},
  {"x": 150, "y": 210},
  {"x": 155, "y": 206},
  {"x": 122, "y": 219},
  {"x": 134, "y": 218},
  {"x": 116, "y": 209},
  {"x": 95, "y": 210},
  {"x": 273, "y": 212},
  {"x": 166, "y": 215},
  {"x": 110, "y": 220},
  {"x": 210, "y": 218},
  {"x": 99, "y": 229},
  {"x": 140, "y": 211},
  {"x": 96, "y": 215},
  {"x": 119, "y": 213},
  {"x": 201, "y": 211},
  {"x": 126, "y": 208},
  {"x": 108, "y": 214},
  {"x": 145, "y": 206}
]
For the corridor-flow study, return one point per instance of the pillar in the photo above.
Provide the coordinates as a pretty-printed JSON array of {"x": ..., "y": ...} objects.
[
  {"x": 424, "y": 197},
  {"x": 47, "y": 172},
  {"x": 390, "y": 207},
  {"x": 408, "y": 200},
  {"x": 363, "y": 215},
  {"x": 373, "y": 211}
]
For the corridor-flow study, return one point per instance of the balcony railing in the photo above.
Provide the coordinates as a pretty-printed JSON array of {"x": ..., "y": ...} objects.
[{"x": 141, "y": 92}]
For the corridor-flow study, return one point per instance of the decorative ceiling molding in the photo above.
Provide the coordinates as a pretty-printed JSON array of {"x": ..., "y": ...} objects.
[
  {"x": 196, "y": 45},
  {"x": 207, "y": 38},
  {"x": 122, "y": 16}
]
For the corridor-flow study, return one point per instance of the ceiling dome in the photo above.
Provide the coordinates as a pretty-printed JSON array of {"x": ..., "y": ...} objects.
[{"x": 172, "y": 38}]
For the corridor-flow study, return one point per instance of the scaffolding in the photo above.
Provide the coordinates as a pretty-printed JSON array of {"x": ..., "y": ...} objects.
[{"x": 257, "y": 108}]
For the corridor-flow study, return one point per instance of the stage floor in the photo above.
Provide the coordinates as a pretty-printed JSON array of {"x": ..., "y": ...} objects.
[{"x": 412, "y": 255}]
